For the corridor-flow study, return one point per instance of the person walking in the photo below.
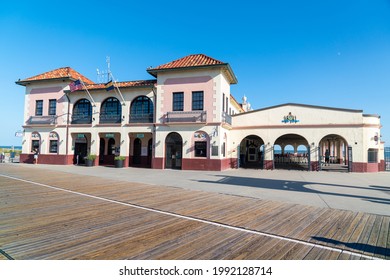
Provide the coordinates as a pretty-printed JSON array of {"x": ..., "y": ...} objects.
[
  {"x": 36, "y": 152},
  {"x": 327, "y": 156}
]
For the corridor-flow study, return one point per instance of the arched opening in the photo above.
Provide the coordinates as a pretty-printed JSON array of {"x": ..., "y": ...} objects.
[
  {"x": 82, "y": 112},
  {"x": 111, "y": 111},
  {"x": 173, "y": 151},
  {"x": 333, "y": 153},
  {"x": 200, "y": 143},
  {"x": 291, "y": 152},
  {"x": 141, "y": 110},
  {"x": 80, "y": 148},
  {"x": 137, "y": 147},
  {"x": 35, "y": 142},
  {"x": 53, "y": 142},
  {"x": 251, "y": 152}
]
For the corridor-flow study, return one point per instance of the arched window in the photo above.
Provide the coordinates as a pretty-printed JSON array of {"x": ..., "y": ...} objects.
[
  {"x": 201, "y": 140},
  {"x": 141, "y": 110},
  {"x": 53, "y": 142},
  {"x": 35, "y": 141},
  {"x": 82, "y": 112},
  {"x": 111, "y": 111}
]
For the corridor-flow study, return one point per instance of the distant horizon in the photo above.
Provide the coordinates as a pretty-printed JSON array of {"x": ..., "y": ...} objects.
[{"x": 11, "y": 146}]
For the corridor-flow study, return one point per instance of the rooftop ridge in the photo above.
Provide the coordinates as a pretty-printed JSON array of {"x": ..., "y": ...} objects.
[{"x": 62, "y": 72}]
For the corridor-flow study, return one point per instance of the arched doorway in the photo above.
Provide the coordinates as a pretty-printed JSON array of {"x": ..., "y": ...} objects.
[
  {"x": 333, "y": 153},
  {"x": 173, "y": 151},
  {"x": 291, "y": 151},
  {"x": 137, "y": 147},
  {"x": 251, "y": 152}
]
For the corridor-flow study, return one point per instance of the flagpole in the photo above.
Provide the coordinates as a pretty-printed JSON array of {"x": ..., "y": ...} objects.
[
  {"x": 116, "y": 86},
  {"x": 90, "y": 96}
]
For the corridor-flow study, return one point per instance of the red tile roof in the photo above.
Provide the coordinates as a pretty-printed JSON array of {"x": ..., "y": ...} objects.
[
  {"x": 141, "y": 83},
  {"x": 60, "y": 73},
  {"x": 190, "y": 61},
  {"x": 193, "y": 61}
]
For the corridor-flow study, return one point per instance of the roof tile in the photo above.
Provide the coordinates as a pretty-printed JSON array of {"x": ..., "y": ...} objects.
[
  {"x": 140, "y": 83},
  {"x": 64, "y": 72},
  {"x": 189, "y": 61}
]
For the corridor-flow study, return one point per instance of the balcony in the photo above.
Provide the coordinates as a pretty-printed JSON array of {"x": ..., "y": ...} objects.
[
  {"x": 186, "y": 117},
  {"x": 81, "y": 119},
  {"x": 42, "y": 120},
  {"x": 110, "y": 118},
  {"x": 141, "y": 118},
  {"x": 226, "y": 118}
]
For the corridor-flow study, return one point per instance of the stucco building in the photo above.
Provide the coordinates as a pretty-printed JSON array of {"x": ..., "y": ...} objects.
[{"x": 185, "y": 117}]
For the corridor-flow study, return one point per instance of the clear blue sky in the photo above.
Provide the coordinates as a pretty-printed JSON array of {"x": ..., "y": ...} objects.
[{"x": 329, "y": 53}]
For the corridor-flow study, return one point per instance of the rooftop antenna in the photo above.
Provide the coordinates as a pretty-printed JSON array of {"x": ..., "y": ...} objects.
[{"x": 105, "y": 75}]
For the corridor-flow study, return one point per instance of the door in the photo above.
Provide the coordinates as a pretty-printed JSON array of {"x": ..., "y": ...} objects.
[
  {"x": 150, "y": 152},
  {"x": 137, "y": 151},
  {"x": 173, "y": 151},
  {"x": 80, "y": 152},
  {"x": 101, "y": 150},
  {"x": 350, "y": 169}
]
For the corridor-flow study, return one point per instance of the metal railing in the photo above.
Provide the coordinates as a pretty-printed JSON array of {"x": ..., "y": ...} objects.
[
  {"x": 226, "y": 118},
  {"x": 191, "y": 116},
  {"x": 141, "y": 118},
  {"x": 81, "y": 119},
  {"x": 110, "y": 118},
  {"x": 48, "y": 120},
  {"x": 387, "y": 158}
]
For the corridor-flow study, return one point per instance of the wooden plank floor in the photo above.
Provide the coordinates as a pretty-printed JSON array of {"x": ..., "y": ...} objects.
[{"x": 40, "y": 222}]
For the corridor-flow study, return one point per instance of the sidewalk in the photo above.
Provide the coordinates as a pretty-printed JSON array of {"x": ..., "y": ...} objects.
[{"x": 363, "y": 192}]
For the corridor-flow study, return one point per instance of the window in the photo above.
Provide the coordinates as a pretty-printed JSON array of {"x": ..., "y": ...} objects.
[
  {"x": 223, "y": 102},
  {"x": 178, "y": 101},
  {"x": 34, "y": 145},
  {"x": 53, "y": 146},
  {"x": 38, "y": 107},
  {"x": 141, "y": 110},
  {"x": 201, "y": 149},
  {"x": 82, "y": 112},
  {"x": 197, "y": 101},
  {"x": 111, "y": 111},
  {"x": 372, "y": 155},
  {"x": 52, "y": 107},
  {"x": 227, "y": 105}
]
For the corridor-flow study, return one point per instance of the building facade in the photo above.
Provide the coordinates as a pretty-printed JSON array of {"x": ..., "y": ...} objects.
[{"x": 187, "y": 118}]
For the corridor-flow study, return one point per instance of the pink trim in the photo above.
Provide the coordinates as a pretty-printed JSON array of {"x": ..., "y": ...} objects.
[{"x": 187, "y": 86}]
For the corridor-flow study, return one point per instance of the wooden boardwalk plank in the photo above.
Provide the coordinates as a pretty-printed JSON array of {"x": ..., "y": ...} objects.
[{"x": 39, "y": 222}]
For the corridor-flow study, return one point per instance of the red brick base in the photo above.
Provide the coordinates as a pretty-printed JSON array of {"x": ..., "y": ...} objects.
[
  {"x": 268, "y": 164},
  {"x": 365, "y": 167},
  {"x": 47, "y": 159}
]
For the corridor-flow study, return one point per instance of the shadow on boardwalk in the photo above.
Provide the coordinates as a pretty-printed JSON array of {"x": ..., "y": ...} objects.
[
  {"x": 304, "y": 187},
  {"x": 357, "y": 247}
]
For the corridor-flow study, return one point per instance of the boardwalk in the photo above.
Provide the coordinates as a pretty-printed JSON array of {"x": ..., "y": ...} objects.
[{"x": 54, "y": 215}]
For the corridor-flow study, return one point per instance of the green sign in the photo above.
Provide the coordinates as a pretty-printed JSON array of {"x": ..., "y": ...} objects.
[
  {"x": 141, "y": 135},
  {"x": 80, "y": 135},
  {"x": 110, "y": 135}
]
